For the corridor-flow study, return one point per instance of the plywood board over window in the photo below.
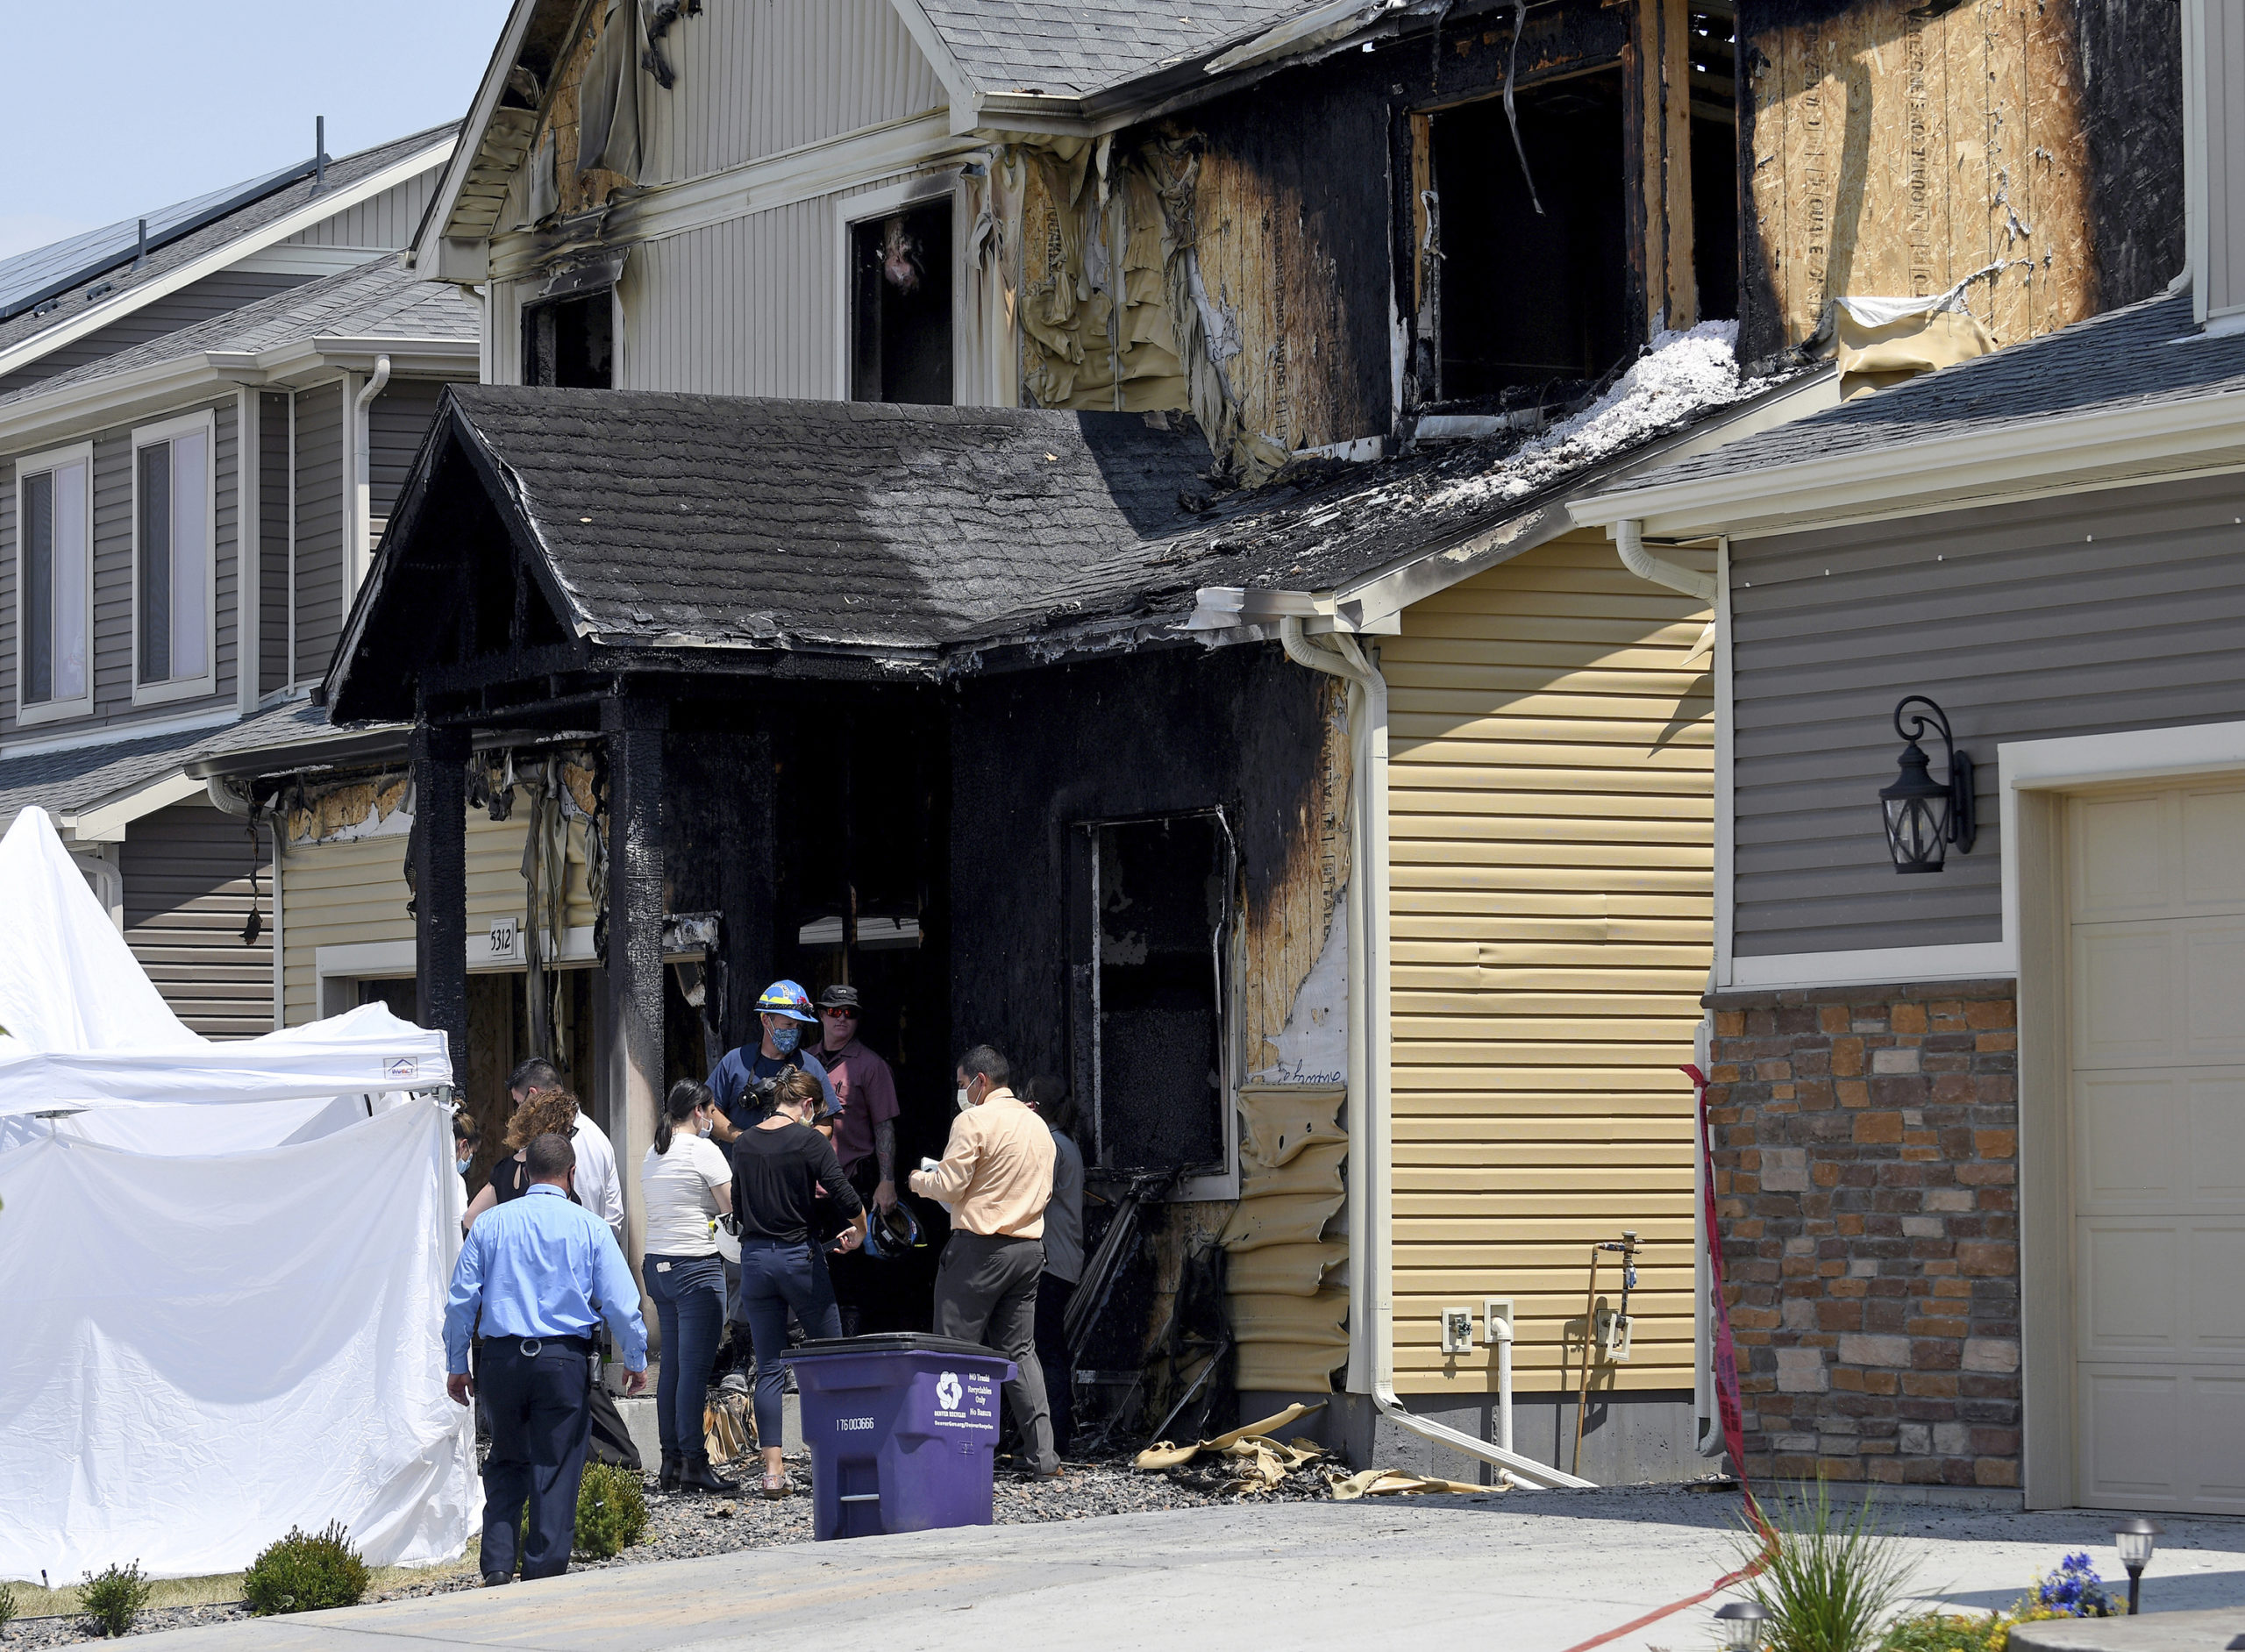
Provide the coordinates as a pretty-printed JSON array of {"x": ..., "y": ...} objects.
[{"x": 1896, "y": 154}]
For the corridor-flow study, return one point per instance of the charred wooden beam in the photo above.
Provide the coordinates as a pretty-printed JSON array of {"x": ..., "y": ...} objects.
[
  {"x": 632, "y": 730},
  {"x": 439, "y": 757}
]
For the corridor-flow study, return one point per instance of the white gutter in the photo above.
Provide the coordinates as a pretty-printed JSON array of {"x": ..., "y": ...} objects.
[
  {"x": 362, "y": 475},
  {"x": 93, "y": 317},
  {"x": 1321, "y": 25},
  {"x": 1372, "y": 1318}
]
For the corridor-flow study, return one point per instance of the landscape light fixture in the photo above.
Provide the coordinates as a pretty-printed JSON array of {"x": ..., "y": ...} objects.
[
  {"x": 1742, "y": 1623},
  {"x": 2135, "y": 1539},
  {"x": 1925, "y": 816}
]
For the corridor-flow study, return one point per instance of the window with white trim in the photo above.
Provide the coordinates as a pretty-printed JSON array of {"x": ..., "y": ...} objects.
[
  {"x": 174, "y": 562},
  {"x": 55, "y": 584}
]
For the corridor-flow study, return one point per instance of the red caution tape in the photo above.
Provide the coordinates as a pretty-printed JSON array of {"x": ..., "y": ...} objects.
[{"x": 1727, "y": 1396}]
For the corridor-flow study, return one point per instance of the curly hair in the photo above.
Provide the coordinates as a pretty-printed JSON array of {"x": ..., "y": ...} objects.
[
  {"x": 797, "y": 1088},
  {"x": 543, "y": 1111}
]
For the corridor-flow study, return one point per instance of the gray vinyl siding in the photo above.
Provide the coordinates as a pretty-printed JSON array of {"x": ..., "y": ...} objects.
[
  {"x": 188, "y": 894},
  {"x": 199, "y": 301},
  {"x": 756, "y": 80},
  {"x": 113, "y": 612},
  {"x": 320, "y": 506},
  {"x": 399, "y": 418},
  {"x": 2088, "y": 614},
  {"x": 385, "y": 221},
  {"x": 275, "y": 412}
]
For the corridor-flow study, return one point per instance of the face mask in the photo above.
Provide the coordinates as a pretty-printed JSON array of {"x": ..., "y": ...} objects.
[
  {"x": 708, "y": 1126},
  {"x": 784, "y": 1039},
  {"x": 965, "y": 1101},
  {"x": 462, "y": 1164}
]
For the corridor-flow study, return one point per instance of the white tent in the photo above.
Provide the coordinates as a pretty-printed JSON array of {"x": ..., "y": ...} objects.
[{"x": 222, "y": 1273}]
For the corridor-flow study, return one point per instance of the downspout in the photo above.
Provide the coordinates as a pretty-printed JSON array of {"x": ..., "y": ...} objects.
[
  {"x": 362, "y": 475},
  {"x": 1372, "y": 1334},
  {"x": 1708, "y": 1441}
]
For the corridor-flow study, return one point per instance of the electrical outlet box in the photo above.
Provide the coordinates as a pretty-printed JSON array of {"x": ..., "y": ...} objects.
[
  {"x": 1497, "y": 1319},
  {"x": 1457, "y": 1330}
]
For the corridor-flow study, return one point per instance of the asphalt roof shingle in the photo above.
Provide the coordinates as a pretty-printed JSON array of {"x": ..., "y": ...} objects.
[
  {"x": 378, "y": 299},
  {"x": 2140, "y": 354},
  {"x": 1075, "y": 50},
  {"x": 758, "y": 522}
]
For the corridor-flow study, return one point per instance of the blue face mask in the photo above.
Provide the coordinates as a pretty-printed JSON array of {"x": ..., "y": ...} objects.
[
  {"x": 462, "y": 1164},
  {"x": 785, "y": 1038}
]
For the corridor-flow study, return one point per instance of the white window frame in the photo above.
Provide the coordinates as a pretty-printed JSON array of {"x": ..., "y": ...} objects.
[
  {"x": 157, "y": 694},
  {"x": 851, "y": 212},
  {"x": 40, "y": 464}
]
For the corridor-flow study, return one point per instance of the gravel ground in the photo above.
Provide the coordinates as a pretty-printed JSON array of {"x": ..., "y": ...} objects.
[{"x": 683, "y": 1525}]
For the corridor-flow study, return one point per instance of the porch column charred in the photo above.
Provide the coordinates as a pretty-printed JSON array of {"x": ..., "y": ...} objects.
[
  {"x": 439, "y": 758},
  {"x": 633, "y": 731},
  {"x": 745, "y": 880}
]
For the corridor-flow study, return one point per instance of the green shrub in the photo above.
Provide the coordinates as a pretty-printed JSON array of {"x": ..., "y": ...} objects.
[
  {"x": 113, "y": 1598},
  {"x": 8, "y": 1607},
  {"x": 1831, "y": 1582},
  {"x": 1949, "y": 1632},
  {"x": 611, "y": 1511},
  {"x": 303, "y": 1573}
]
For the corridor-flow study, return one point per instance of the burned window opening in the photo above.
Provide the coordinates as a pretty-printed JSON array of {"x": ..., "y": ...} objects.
[
  {"x": 1160, "y": 893},
  {"x": 1713, "y": 43},
  {"x": 1529, "y": 300},
  {"x": 901, "y": 308},
  {"x": 571, "y": 342}
]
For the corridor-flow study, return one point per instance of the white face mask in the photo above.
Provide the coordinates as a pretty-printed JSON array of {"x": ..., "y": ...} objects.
[
  {"x": 965, "y": 1101},
  {"x": 708, "y": 1125}
]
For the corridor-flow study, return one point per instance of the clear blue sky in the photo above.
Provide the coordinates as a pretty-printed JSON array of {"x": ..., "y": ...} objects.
[{"x": 125, "y": 105}]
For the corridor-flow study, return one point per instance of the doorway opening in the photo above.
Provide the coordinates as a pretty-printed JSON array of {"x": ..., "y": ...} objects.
[{"x": 1713, "y": 40}]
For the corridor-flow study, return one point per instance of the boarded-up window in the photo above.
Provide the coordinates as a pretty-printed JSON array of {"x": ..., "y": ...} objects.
[
  {"x": 901, "y": 308},
  {"x": 1160, "y": 893},
  {"x": 53, "y": 571},
  {"x": 173, "y": 558}
]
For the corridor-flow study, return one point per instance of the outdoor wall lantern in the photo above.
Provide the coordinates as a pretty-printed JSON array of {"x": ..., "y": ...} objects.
[
  {"x": 1743, "y": 1624},
  {"x": 1925, "y": 816},
  {"x": 2135, "y": 1540}
]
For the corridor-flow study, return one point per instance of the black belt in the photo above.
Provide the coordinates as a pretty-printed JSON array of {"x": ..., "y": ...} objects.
[{"x": 530, "y": 1345}]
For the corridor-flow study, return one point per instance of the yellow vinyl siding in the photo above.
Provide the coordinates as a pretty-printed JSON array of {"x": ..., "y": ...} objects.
[
  {"x": 348, "y": 893},
  {"x": 1550, "y": 810}
]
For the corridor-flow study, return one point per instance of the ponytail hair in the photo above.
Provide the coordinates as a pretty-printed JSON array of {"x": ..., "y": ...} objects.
[{"x": 678, "y": 1106}]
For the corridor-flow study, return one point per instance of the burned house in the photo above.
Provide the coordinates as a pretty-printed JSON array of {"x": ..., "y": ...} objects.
[{"x": 1171, "y": 652}]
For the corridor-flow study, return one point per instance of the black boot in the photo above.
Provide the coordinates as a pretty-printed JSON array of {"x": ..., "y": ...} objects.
[
  {"x": 673, "y": 1466},
  {"x": 698, "y": 1476}
]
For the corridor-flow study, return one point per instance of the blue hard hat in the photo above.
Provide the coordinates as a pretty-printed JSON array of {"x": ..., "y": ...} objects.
[
  {"x": 890, "y": 1233},
  {"x": 786, "y": 998}
]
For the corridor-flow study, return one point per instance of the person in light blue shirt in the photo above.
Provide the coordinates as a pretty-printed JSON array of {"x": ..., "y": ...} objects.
[{"x": 541, "y": 1273}]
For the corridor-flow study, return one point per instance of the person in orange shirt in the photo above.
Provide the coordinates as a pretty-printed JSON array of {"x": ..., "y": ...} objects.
[{"x": 996, "y": 1177}]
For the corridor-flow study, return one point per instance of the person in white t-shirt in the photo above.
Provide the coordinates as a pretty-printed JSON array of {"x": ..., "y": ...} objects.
[
  {"x": 685, "y": 1183},
  {"x": 599, "y": 1189}
]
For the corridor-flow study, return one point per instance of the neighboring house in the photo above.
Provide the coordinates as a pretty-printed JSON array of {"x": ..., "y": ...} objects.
[
  {"x": 916, "y": 704},
  {"x": 1981, "y": 1128},
  {"x": 200, "y": 433}
]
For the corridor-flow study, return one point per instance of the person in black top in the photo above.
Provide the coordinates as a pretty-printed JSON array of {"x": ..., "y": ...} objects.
[{"x": 779, "y": 1167}]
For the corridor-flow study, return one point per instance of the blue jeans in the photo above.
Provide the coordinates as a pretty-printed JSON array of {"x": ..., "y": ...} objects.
[
  {"x": 690, "y": 1297},
  {"x": 774, "y": 1278}
]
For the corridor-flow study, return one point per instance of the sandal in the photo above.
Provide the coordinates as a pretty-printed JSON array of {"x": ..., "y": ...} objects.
[{"x": 776, "y": 1486}]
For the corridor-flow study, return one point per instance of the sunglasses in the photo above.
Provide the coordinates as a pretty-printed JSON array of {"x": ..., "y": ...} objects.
[{"x": 840, "y": 1012}]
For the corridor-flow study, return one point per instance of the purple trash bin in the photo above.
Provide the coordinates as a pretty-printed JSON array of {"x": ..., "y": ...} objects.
[{"x": 900, "y": 1428}]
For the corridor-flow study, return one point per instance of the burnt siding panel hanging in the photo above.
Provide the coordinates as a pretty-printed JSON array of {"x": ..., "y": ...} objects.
[{"x": 188, "y": 894}]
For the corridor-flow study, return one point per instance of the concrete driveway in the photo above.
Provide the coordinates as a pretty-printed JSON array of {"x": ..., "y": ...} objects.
[{"x": 1540, "y": 1571}]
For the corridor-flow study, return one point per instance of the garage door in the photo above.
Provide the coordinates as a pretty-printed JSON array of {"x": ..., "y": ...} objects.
[{"x": 2157, "y": 1098}]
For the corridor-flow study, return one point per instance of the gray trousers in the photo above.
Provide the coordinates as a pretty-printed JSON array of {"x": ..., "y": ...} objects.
[{"x": 985, "y": 1292}]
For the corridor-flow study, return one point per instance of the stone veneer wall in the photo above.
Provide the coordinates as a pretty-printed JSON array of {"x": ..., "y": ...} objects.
[{"x": 1866, "y": 1166}]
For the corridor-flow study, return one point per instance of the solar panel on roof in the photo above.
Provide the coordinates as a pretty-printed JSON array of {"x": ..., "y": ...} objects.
[{"x": 29, "y": 279}]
